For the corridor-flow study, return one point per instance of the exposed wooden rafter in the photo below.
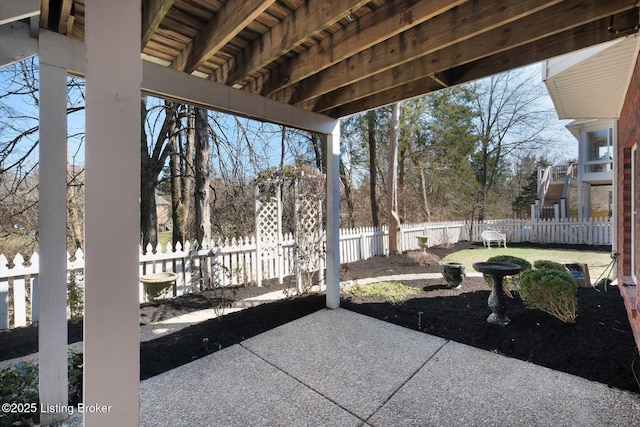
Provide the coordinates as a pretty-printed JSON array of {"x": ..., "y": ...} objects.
[
  {"x": 399, "y": 67},
  {"x": 234, "y": 16},
  {"x": 307, "y": 21},
  {"x": 339, "y": 57},
  {"x": 538, "y": 50},
  {"x": 153, "y": 12},
  {"x": 360, "y": 36},
  {"x": 65, "y": 16}
]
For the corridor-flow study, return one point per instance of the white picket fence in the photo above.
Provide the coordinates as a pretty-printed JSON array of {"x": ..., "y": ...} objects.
[
  {"x": 592, "y": 231},
  {"x": 233, "y": 262}
]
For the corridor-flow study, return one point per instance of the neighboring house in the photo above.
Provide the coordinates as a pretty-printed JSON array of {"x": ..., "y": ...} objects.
[
  {"x": 603, "y": 83},
  {"x": 163, "y": 213}
]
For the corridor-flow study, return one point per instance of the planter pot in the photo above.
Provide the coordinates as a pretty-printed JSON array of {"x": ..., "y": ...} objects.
[
  {"x": 453, "y": 273},
  {"x": 155, "y": 283}
]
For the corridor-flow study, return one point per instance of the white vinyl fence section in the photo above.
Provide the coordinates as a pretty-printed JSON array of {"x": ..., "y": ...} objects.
[
  {"x": 592, "y": 231},
  {"x": 233, "y": 262}
]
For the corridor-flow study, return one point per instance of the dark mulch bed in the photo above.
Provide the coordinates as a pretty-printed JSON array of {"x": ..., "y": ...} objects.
[{"x": 599, "y": 346}]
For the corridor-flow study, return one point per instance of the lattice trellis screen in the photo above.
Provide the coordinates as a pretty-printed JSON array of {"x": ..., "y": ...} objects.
[
  {"x": 309, "y": 193},
  {"x": 307, "y": 227},
  {"x": 269, "y": 230}
]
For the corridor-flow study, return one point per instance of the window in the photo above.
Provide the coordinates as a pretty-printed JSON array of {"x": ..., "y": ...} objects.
[{"x": 599, "y": 151}]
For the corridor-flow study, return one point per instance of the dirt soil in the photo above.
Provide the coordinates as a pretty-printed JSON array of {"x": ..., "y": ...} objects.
[{"x": 599, "y": 346}]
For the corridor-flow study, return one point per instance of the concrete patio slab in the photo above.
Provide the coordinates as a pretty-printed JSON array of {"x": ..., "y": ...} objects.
[
  {"x": 340, "y": 368},
  {"x": 355, "y": 361},
  {"x": 463, "y": 385},
  {"x": 234, "y": 387}
]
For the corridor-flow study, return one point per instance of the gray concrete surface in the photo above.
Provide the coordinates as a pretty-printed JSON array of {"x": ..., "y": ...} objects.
[
  {"x": 336, "y": 367},
  {"x": 340, "y": 368}
]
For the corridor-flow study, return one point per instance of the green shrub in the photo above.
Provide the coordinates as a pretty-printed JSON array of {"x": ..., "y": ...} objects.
[
  {"x": 551, "y": 291},
  {"x": 19, "y": 386},
  {"x": 393, "y": 292},
  {"x": 543, "y": 264},
  {"x": 509, "y": 283}
]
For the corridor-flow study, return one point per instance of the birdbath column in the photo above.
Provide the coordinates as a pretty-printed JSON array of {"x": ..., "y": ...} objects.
[{"x": 497, "y": 299}]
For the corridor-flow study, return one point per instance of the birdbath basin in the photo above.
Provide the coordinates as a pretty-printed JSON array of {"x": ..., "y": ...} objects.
[
  {"x": 497, "y": 300},
  {"x": 155, "y": 283}
]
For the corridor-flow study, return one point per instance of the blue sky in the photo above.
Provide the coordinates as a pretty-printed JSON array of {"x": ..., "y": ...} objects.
[{"x": 564, "y": 147}]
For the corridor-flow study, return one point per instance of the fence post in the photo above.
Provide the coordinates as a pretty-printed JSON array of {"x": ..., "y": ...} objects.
[
  {"x": 4, "y": 295},
  {"x": 363, "y": 247}
]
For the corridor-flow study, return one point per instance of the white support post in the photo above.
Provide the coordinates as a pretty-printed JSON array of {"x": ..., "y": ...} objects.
[
  {"x": 52, "y": 332},
  {"x": 112, "y": 210},
  {"x": 333, "y": 217}
]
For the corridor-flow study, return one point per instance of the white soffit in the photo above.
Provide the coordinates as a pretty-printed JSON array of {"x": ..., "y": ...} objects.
[{"x": 592, "y": 83}]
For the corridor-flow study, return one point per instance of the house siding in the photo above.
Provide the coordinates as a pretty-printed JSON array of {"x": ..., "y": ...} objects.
[{"x": 628, "y": 134}]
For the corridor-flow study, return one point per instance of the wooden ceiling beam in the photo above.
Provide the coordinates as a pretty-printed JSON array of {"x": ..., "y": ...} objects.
[
  {"x": 65, "y": 15},
  {"x": 153, "y": 12},
  {"x": 44, "y": 13},
  {"x": 441, "y": 31},
  {"x": 582, "y": 37},
  {"x": 369, "y": 87},
  {"x": 234, "y": 17},
  {"x": 535, "y": 51},
  {"x": 397, "y": 69},
  {"x": 313, "y": 17},
  {"x": 385, "y": 22}
]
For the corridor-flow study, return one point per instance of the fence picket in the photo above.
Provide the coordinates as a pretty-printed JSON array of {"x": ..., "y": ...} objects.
[{"x": 238, "y": 256}]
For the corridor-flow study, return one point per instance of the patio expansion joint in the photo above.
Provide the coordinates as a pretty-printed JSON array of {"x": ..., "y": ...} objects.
[
  {"x": 304, "y": 384},
  {"x": 407, "y": 380}
]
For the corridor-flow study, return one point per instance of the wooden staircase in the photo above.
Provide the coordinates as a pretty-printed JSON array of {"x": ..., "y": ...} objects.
[{"x": 552, "y": 196}]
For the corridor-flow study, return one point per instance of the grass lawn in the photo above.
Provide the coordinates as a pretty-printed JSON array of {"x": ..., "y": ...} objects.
[{"x": 597, "y": 261}]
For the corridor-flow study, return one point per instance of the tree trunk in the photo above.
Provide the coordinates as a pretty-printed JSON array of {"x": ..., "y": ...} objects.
[
  {"x": 75, "y": 203},
  {"x": 373, "y": 171},
  {"x": 148, "y": 183},
  {"x": 425, "y": 200},
  {"x": 187, "y": 166},
  {"x": 178, "y": 230},
  {"x": 348, "y": 195},
  {"x": 320, "y": 152},
  {"x": 203, "y": 211},
  {"x": 392, "y": 202}
]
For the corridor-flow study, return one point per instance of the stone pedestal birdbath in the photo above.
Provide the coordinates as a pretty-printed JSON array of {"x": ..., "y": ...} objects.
[
  {"x": 497, "y": 299},
  {"x": 155, "y": 283}
]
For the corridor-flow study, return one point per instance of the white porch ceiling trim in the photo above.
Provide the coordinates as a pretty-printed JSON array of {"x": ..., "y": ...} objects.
[
  {"x": 16, "y": 43},
  {"x": 169, "y": 83},
  {"x": 592, "y": 83},
  {"x": 15, "y": 10}
]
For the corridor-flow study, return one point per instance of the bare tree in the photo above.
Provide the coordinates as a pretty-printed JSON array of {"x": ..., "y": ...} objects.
[
  {"x": 202, "y": 171},
  {"x": 510, "y": 116},
  {"x": 155, "y": 148},
  {"x": 392, "y": 196}
]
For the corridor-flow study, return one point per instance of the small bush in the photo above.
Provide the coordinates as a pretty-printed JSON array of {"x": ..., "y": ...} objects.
[
  {"x": 551, "y": 291},
  {"x": 393, "y": 292},
  {"x": 510, "y": 283},
  {"x": 543, "y": 264},
  {"x": 19, "y": 386}
]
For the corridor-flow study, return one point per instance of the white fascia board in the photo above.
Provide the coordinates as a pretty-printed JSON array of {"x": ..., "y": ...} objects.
[
  {"x": 555, "y": 66},
  {"x": 555, "y": 98},
  {"x": 15, "y": 10},
  {"x": 16, "y": 43},
  {"x": 62, "y": 51},
  {"x": 168, "y": 83},
  {"x": 632, "y": 68}
]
